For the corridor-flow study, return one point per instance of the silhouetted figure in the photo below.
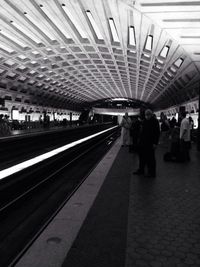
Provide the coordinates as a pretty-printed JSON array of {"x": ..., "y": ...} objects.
[
  {"x": 126, "y": 125},
  {"x": 148, "y": 141},
  {"x": 172, "y": 122},
  {"x": 135, "y": 132}
]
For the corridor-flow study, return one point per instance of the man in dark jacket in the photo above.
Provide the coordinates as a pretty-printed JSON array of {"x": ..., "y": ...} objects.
[{"x": 148, "y": 140}]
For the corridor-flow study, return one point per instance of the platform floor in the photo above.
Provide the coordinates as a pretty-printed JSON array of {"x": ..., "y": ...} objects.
[{"x": 137, "y": 221}]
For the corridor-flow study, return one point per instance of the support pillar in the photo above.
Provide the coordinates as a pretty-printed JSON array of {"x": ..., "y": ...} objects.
[{"x": 198, "y": 131}]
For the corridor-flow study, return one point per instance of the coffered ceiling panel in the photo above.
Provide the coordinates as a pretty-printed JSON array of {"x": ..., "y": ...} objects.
[{"x": 71, "y": 53}]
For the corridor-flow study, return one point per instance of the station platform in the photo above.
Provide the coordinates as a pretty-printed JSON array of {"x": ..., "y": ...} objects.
[{"x": 118, "y": 219}]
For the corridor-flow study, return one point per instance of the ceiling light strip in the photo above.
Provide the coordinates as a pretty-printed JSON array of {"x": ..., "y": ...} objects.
[
  {"x": 132, "y": 39},
  {"x": 181, "y": 20},
  {"x": 164, "y": 52},
  {"x": 190, "y": 37},
  {"x": 94, "y": 25},
  {"x": 174, "y": 3},
  {"x": 178, "y": 62},
  {"x": 149, "y": 43},
  {"x": 113, "y": 30}
]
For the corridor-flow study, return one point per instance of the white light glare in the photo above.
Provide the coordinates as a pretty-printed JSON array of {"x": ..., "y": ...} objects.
[
  {"x": 132, "y": 39},
  {"x": 94, "y": 25},
  {"x": 120, "y": 99},
  {"x": 81, "y": 32},
  {"x": 164, "y": 51},
  {"x": 149, "y": 43},
  {"x": 28, "y": 163},
  {"x": 113, "y": 30},
  {"x": 178, "y": 62}
]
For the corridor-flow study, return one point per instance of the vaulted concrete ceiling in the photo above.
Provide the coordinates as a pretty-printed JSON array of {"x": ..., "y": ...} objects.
[{"x": 69, "y": 53}]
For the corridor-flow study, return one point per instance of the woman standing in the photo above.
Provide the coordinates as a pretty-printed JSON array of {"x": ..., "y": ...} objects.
[{"x": 126, "y": 125}]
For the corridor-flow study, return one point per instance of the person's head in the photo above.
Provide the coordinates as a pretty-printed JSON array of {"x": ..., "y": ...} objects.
[
  {"x": 190, "y": 119},
  {"x": 126, "y": 115},
  {"x": 183, "y": 114},
  {"x": 148, "y": 114}
]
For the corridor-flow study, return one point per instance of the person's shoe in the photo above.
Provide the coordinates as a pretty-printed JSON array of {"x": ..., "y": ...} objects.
[{"x": 138, "y": 172}]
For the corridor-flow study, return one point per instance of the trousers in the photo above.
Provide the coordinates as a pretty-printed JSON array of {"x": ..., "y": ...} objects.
[{"x": 147, "y": 158}]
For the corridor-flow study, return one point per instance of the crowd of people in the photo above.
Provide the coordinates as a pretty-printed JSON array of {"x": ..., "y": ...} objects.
[{"x": 143, "y": 135}]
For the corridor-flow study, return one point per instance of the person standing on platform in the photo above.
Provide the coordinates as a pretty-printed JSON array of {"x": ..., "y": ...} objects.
[
  {"x": 126, "y": 125},
  {"x": 185, "y": 138},
  {"x": 135, "y": 133},
  {"x": 148, "y": 140},
  {"x": 165, "y": 127}
]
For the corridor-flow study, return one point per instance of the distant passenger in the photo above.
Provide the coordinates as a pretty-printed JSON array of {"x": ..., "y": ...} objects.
[
  {"x": 165, "y": 126},
  {"x": 185, "y": 137},
  {"x": 1, "y": 125},
  {"x": 172, "y": 122},
  {"x": 126, "y": 125},
  {"x": 7, "y": 127},
  {"x": 148, "y": 140},
  {"x": 135, "y": 132}
]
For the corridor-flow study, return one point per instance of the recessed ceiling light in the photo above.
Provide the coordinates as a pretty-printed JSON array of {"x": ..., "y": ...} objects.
[
  {"x": 132, "y": 39},
  {"x": 94, "y": 25},
  {"x": 113, "y": 30},
  {"x": 149, "y": 43}
]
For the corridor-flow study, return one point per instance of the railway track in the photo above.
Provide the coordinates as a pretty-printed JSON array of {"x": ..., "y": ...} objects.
[{"x": 31, "y": 198}]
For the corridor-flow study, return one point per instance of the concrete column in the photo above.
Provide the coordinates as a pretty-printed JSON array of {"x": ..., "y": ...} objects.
[{"x": 198, "y": 131}]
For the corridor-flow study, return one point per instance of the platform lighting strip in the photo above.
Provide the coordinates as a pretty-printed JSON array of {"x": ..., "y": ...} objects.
[
  {"x": 94, "y": 25},
  {"x": 28, "y": 163},
  {"x": 26, "y": 32},
  {"x": 74, "y": 22},
  {"x": 9, "y": 36},
  {"x": 113, "y": 30},
  {"x": 47, "y": 33}
]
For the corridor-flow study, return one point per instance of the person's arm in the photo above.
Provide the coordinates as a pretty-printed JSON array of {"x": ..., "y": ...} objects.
[{"x": 184, "y": 125}]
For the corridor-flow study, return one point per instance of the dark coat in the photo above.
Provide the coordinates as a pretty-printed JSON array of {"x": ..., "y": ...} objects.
[{"x": 150, "y": 132}]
